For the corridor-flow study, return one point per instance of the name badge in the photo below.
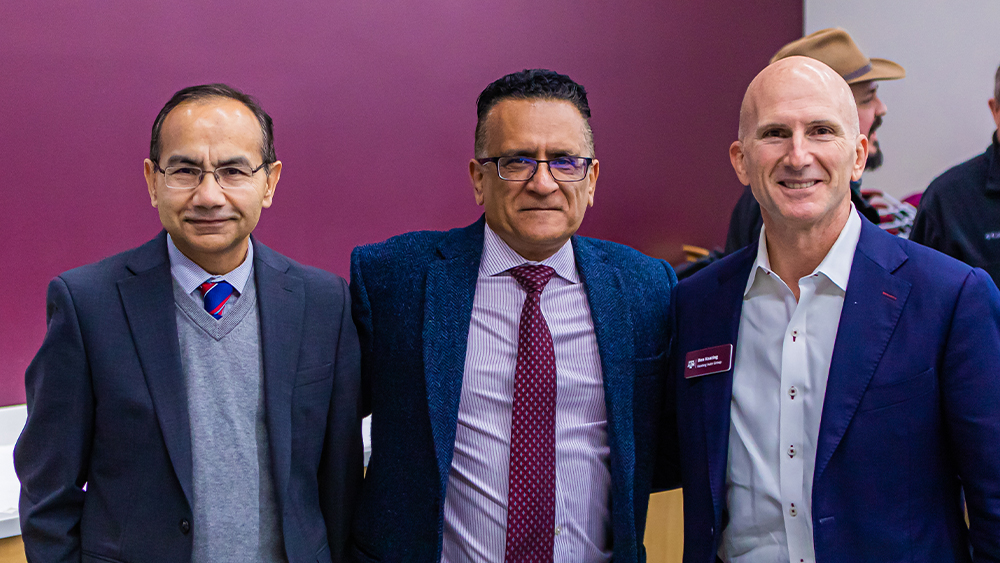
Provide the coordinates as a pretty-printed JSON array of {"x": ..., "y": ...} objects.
[{"x": 707, "y": 361}]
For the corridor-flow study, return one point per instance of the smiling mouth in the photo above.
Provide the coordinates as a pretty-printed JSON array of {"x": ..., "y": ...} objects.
[
  {"x": 207, "y": 222},
  {"x": 799, "y": 185}
]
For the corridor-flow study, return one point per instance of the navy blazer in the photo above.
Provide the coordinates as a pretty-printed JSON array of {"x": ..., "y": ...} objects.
[
  {"x": 105, "y": 457},
  {"x": 412, "y": 297},
  {"x": 911, "y": 413}
]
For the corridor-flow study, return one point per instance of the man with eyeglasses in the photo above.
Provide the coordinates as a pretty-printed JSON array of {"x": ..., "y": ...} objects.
[
  {"x": 196, "y": 398},
  {"x": 514, "y": 370}
]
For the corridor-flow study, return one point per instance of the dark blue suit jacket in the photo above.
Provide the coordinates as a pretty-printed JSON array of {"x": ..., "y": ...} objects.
[
  {"x": 107, "y": 409},
  {"x": 412, "y": 297},
  {"x": 911, "y": 413}
]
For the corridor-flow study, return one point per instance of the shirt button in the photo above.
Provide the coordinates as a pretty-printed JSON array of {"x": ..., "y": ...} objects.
[
  {"x": 793, "y": 511},
  {"x": 792, "y": 392},
  {"x": 558, "y": 530},
  {"x": 185, "y": 526},
  {"x": 791, "y": 450}
]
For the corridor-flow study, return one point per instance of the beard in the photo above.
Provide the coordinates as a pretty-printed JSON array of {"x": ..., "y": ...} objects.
[
  {"x": 874, "y": 158},
  {"x": 875, "y": 155}
]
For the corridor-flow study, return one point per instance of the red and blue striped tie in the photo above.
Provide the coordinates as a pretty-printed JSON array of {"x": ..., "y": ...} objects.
[{"x": 216, "y": 295}]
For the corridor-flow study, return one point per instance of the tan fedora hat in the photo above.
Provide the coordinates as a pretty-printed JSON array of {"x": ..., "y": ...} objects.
[{"x": 835, "y": 47}]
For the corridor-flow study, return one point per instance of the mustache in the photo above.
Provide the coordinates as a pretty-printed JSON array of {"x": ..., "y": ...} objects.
[{"x": 875, "y": 124}]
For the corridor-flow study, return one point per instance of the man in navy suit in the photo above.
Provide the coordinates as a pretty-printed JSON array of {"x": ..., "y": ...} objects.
[
  {"x": 196, "y": 398},
  {"x": 514, "y": 369},
  {"x": 836, "y": 386}
]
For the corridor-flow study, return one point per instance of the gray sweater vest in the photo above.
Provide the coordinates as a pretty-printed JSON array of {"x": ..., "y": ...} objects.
[{"x": 235, "y": 513}]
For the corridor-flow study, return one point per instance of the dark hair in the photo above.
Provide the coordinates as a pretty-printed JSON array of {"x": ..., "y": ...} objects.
[
  {"x": 207, "y": 91},
  {"x": 527, "y": 84},
  {"x": 996, "y": 86}
]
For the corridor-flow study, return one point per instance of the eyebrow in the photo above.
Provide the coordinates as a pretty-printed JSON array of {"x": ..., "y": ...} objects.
[
  {"x": 781, "y": 126},
  {"x": 182, "y": 159},
  {"x": 234, "y": 160},
  {"x": 528, "y": 153}
]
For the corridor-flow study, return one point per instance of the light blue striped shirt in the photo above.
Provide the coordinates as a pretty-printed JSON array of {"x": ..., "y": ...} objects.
[
  {"x": 475, "y": 508},
  {"x": 190, "y": 275}
]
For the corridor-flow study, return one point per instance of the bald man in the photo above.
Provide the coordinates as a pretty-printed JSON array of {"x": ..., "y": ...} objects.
[{"x": 861, "y": 393}]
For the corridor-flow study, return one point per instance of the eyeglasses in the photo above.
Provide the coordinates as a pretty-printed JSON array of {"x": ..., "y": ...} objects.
[
  {"x": 184, "y": 177},
  {"x": 521, "y": 168}
]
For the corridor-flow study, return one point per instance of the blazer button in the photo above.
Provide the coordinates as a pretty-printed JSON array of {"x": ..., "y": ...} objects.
[{"x": 185, "y": 527}]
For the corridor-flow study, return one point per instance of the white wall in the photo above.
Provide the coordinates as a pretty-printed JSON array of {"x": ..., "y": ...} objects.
[{"x": 937, "y": 115}]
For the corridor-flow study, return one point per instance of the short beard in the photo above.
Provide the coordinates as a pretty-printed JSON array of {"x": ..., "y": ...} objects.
[{"x": 874, "y": 158}]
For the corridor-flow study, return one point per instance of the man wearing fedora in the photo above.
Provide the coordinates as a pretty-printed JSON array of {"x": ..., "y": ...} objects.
[{"x": 836, "y": 49}]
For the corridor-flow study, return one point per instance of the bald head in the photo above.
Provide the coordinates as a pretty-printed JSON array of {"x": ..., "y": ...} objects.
[
  {"x": 799, "y": 146},
  {"x": 795, "y": 81}
]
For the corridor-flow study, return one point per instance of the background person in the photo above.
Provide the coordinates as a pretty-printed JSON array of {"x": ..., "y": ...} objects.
[{"x": 960, "y": 211}]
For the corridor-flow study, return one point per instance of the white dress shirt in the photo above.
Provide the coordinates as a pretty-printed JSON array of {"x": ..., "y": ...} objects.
[
  {"x": 783, "y": 356},
  {"x": 475, "y": 507}
]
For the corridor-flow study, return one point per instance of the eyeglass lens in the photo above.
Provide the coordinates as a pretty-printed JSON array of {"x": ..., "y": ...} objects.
[
  {"x": 567, "y": 169},
  {"x": 187, "y": 177}
]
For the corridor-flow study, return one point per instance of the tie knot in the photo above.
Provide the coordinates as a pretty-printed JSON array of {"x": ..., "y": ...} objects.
[
  {"x": 216, "y": 294},
  {"x": 532, "y": 277}
]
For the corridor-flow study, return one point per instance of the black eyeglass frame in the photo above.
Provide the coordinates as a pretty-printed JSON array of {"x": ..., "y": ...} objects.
[
  {"x": 496, "y": 160},
  {"x": 214, "y": 172}
]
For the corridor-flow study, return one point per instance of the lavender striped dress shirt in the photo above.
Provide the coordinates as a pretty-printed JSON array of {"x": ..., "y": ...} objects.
[{"x": 475, "y": 507}]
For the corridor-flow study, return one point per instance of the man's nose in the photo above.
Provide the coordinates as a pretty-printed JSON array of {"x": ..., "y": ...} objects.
[
  {"x": 799, "y": 155},
  {"x": 542, "y": 182},
  {"x": 880, "y": 108},
  {"x": 209, "y": 193}
]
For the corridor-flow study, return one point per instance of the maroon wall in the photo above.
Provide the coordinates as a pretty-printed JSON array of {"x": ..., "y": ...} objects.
[{"x": 364, "y": 95}]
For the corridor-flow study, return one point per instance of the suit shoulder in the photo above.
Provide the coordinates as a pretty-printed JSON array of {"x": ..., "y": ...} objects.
[
  {"x": 104, "y": 272},
  {"x": 400, "y": 249},
  {"x": 312, "y": 274},
  {"x": 936, "y": 266},
  {"x": 317, "y": 281},
  {"x": 618, "y": 252},
  {"x": 641, "y": 268}
]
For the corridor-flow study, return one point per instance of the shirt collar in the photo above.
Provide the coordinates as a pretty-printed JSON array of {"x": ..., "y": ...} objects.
[
  {"x": 836, "y": 265},
  {"x": 498, "y": 257},
  {"x": 190, "y": 275}
]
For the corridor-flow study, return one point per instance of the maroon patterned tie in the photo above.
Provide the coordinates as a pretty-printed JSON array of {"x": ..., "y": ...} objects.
[{"x": 531, "y": 501}]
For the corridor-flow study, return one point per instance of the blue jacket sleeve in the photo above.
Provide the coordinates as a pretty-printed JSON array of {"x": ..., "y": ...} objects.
[
  {"x": 341, "y": 469},
  {"x": 362, "y": 314},
  {"x": 970, "y": 381},
  {"x": 52, "y": 455}
]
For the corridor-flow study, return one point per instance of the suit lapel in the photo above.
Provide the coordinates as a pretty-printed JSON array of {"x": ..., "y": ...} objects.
[
  {"x": 873, "y": 304},
  {"x": 148, "y": 299},
  {"x": 613, "y": 328},
  {"x": 281, "y": 302},
  {"x": 719, "y": 324},
  {"x": 448, "y": 295}
]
